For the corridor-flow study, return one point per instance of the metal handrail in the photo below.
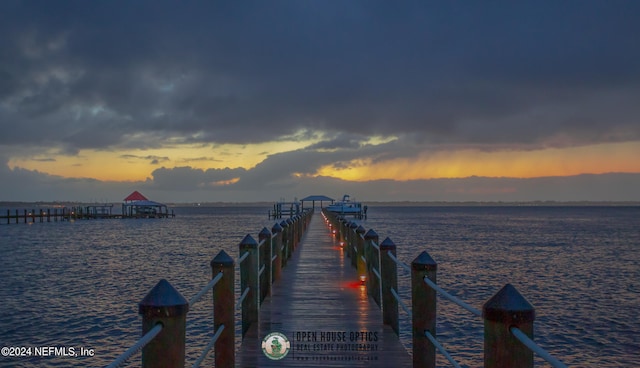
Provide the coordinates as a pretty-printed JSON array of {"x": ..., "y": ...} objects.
[
  {"x": 242, "y": 297},
  {"x": 524, "y": 339},
  {"x": 144, "y": 340},
  {"x": 398, "y": 262},
  {"x": 243, "y": 257},
  {"x": 208, "y": 347},
  {"x": 376, "y": 246},
  {"x": 517, "y": 333},
  {"x": 204, "y": 290},
  {"x": 452, "y": 298},
  {"x": 375, "y": 272},
  {"x": 441, "y": 348},
  {"x": 404, "y": 306}
]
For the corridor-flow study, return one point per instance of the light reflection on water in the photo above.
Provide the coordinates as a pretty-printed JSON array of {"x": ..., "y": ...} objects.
[{"x": 79, "y": 283}]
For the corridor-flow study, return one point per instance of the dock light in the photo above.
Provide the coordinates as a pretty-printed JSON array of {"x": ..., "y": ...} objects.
[
  {"x": 342, "y": 244},
  {"x": 334, "y": 231},
  {"x": 363, "y": 278}
]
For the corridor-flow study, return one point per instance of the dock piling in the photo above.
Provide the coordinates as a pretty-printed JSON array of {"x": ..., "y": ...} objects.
[
  {"x": 249, "y": 279},
  {"x": 389, "y": 274},
  {"x": 361, "y": 260},
  {"x": 224, "y": 310},
  {"x": 164, "y": 305},
  {"x": 423, "y": 300},
  {"x": 507, "y": 309},
  {"x": 373, "y": 262},
  {"x": 277, "y": 251},
  {"x": 266, "y": 253}
]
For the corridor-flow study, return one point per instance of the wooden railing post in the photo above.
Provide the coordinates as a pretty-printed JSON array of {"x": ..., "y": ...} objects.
[
  {"x": 423, "y": 300},
  {"x": 277, "y": 251},
  {"x": 294, "y": 225},
  {"x": 266, "y": 254},
  {"x": 298, "y": 222},
  {"x": 249, "y": 279},
  {"x": 345, "y": 234},
  {"x": 508, "y": 308},
  {"x": 285, "y": 241},
  {"x": 373, "y": 262},
  {"x": 224, "y": 310},
  {"x": 290, "y": 237},
  {"x": 338, "y": 228},
  {"x": 164, "y": 304},
  {"x": 352, "y": 243},
  {"x": 361, "y": 264},
  {"x": 342, "y": 226},
  {"x": 389, "y": 273}
]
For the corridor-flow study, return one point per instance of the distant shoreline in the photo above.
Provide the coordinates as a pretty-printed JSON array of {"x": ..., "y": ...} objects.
[{"x": 19, "y": 204}]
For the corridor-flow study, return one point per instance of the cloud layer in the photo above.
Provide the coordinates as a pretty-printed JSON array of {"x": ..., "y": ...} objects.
[{"x": 428, "y": 77}]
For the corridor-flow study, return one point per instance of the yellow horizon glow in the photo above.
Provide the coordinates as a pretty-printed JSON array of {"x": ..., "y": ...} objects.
[
  {"x": 595, "y": 159},
  {"x": 135, "y": 165}
]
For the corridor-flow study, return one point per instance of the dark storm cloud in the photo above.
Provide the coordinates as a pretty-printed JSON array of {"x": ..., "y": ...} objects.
[
  {"x": 152, "y": 159},
  {"x": 187, "y": 178},
  {"x": 102, "y": 74}
]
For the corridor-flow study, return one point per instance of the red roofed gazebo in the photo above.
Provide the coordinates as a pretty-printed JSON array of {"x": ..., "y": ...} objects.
[
  {"x": 137, "y": 205},
  {"x": 135, "y": 196}
]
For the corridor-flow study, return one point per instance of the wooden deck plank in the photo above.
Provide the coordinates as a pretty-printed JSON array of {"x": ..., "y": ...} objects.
[{"x": 319, "y": 292}]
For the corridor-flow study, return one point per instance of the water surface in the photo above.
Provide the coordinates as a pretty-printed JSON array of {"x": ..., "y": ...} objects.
[{"x": 79, "y": 283}]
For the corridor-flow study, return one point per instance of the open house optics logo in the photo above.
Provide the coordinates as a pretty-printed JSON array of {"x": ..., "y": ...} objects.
[{"x": 275, "y": 346}]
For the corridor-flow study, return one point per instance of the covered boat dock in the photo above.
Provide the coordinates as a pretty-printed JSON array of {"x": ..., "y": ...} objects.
[
  {"x": 316, "y": 198},
  {"x": 138, "y": 206}
]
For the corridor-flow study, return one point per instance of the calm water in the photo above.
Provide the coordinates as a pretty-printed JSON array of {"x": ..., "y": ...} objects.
[{"x": 78, "y": 283}]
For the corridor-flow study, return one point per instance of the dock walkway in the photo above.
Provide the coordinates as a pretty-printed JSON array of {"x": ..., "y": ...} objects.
[{"x": 324, "y": 311}]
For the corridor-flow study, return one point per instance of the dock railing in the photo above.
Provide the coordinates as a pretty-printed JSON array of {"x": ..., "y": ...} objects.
[
  {"x": 164, "y": 309},
  {"x": 508, "y": 317},
  {"x": 56, "y": 214}
]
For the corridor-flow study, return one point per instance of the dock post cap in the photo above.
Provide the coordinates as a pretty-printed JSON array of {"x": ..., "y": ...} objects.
[
  {"x": 387, "y": 243},
  {"x": 264, "y": 232},
  {"x": 508, "y": 306},
  {"x": 371, "y": 234},
  {"x": 163, "y": 300},
  {"x": 284, "y": 224},
  {"x": 222, "y": 259},
  {"x": 361, "y": 230},
  {"x": 276, "y": 228},
  {"x": 424, "y": 262},
  {"x": 353, "y": 225},
  {"x": 248, "y": 240},
  {"x": 289, "y": 221}
]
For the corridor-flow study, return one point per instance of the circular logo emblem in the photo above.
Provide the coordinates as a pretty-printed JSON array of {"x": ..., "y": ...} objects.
[{"x": 275, "y": 346}]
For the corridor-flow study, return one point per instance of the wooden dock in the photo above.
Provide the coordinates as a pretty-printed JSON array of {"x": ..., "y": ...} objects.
[
  {"x": 90, "y": 212},
  {"x": 324, "y": 311}
]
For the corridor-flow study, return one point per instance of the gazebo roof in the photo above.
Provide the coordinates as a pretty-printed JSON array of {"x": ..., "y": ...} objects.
[
  {"x": 317, "y": 198},
  {"x": 136, "y": 196}
]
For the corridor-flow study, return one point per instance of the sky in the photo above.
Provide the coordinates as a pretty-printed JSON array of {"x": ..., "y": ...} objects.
[{"x": 242, "y": 101}]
